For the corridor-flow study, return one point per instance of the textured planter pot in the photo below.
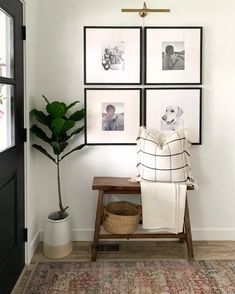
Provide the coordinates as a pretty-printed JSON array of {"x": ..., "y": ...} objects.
[{"x": 57, "y": 236}]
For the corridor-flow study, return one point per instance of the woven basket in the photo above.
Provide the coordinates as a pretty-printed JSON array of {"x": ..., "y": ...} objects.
[{"x": 121, "y": 217}]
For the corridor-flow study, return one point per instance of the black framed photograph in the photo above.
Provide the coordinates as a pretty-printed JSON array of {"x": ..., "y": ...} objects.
[
  {"x": 112, "y": 55},
  {"x": 173, "y": 55},
  {"x": 113, "y": 116},
  {"x": 169, "y": 109}
]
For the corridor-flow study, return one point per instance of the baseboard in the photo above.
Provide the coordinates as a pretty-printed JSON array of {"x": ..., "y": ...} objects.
[
  {"x": 197, "y": 234},
  {"x": 32, "y": 247},
  {"x": 82, "y": 234},
  {"x": 213, "y": 234}
]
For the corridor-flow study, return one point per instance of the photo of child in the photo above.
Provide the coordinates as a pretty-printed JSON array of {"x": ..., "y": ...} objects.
[
  {"x": 113, "y": 56},
  {"x": 113, "y": 117},
  {"x": 173, "y": 56}
]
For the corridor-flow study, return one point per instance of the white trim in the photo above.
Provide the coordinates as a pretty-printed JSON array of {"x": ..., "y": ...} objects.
[
  {"x": 213, "y": 234},
  {"x": 32, "y": 246},
  {"x": 28, "y": 249},
  {"x": 82, "y": 234},
  {"x": 41, "y": 232},
  {"x": 198, "y": 235}
]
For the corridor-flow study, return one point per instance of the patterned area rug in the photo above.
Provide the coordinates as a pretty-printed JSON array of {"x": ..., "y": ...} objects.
[{"x": 133, "y": 277}]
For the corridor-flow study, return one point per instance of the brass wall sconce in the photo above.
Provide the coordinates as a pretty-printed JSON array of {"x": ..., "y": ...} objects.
[{"x": 145, "y": 10}]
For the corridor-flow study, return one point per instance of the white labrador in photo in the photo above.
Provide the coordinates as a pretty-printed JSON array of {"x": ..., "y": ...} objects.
[{"x": 172, "y": 118}]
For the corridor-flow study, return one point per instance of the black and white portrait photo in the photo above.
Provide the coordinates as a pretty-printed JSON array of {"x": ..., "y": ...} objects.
[
  {"x": 173, "y": 56},
  {"x": 113, "y": 117},
  {"x": 172, "y": 118},
  {"x": 113, "y": 56}
]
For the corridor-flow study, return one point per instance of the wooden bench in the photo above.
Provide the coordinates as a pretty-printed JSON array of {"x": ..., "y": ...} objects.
[{"x": 115, "y": 185}]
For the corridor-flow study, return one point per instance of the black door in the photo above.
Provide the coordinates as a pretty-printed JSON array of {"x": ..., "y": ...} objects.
[{"x": 12, "y": 255}]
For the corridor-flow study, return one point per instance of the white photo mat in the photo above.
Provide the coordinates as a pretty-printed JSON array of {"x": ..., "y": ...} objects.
[
  {"x": 97, "y": 39},
  {"x": 159, "y": 102},
  {"x": 189, "y": 39},
  {"x": 96, "y": 100}
]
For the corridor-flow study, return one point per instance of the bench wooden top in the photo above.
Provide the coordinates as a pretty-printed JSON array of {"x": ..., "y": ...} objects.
[{"x": 118, "y": 184}]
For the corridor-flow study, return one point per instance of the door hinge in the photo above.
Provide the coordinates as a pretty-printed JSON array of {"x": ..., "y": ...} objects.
[
  {"x": 24, "y": 32},
  {"x": 25, "y": 135},
  {"x": 25, "y": 235}
]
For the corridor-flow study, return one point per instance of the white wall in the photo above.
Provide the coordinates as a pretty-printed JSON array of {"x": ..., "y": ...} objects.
[
  {"x": 58, "y": 65},
  {"x": 31, "y": 64}
]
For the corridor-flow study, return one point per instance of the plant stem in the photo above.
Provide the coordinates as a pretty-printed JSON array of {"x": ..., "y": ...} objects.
[{"x": 61, "y": 212}]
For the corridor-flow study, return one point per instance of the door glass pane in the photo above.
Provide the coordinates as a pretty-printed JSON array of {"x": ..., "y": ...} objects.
[
  {"x": 6, "y": 45},
  {"x": 7, "y": 132}
]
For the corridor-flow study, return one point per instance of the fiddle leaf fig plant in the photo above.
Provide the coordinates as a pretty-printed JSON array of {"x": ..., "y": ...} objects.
[{"x": 56, "y": 128}]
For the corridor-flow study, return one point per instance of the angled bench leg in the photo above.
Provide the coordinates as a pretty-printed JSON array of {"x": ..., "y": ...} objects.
[
  {"x": 182, "y": 240},
  {"x": 188, "y": 233},
  {"x": 99, "y": 215}
]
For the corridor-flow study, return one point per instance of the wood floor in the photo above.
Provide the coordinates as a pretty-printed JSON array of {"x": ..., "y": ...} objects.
[{"x": 134, "y": 250}]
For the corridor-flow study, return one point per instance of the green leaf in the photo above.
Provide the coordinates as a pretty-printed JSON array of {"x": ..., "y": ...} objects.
[
  {"x": 69, "y": 124},
  {"x": 57, "y": 126},
  {"x": 78, "y": 115},
  {"x": 45, "y": 98},
  {"x": 71, "y": 105},
  {"x": 40, "y": 117},
  {"x": 40, "y": 133},
  {"x": 58, "y": 148},
  {"x": 77, "y": 131},
  {"x": 75, "y": 149},
  {"x": 56, "y": 109},
  {"x": 43, "y": 151}
]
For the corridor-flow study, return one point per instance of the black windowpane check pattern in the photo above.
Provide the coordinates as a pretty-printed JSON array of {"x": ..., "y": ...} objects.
[{"x": 163, "y": 158}]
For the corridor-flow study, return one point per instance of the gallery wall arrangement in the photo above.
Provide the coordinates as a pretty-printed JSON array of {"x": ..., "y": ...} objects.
[{"x": 115, "y": 55}]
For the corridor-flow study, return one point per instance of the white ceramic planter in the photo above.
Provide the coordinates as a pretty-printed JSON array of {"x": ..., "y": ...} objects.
[{"x": 57, "y": 236}]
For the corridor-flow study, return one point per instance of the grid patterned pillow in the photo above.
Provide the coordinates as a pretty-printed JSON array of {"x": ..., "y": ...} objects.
[{"x": 164, "y": 158}]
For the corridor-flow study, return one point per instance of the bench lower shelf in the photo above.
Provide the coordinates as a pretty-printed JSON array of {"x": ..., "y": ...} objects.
[{"x": 140, "y": 233}]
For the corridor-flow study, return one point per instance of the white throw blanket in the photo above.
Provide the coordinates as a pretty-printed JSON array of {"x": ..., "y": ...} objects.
[{"x": 163, "y": 206}]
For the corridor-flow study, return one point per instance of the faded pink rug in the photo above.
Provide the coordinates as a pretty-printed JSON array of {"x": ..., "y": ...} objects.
[{"x": 133, "y": 277}]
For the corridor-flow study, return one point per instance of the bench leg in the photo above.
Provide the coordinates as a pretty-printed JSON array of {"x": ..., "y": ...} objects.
[
  {"x": 188, "y": 233},
  {"x": 182, "y": 240},
  {"x": 99, "y": 215}
]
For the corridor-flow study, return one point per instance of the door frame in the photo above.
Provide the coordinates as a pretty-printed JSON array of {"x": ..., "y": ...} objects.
[
  {"x": 28, "y": 255},
  {"x": 33, "y": 233}
]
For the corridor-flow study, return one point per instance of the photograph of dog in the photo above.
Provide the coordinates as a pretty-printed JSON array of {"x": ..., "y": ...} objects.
[{"x": 172, "y": 118}]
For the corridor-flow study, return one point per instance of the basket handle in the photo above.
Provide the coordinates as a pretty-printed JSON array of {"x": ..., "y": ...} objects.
[{"x": 139, "y": 207}]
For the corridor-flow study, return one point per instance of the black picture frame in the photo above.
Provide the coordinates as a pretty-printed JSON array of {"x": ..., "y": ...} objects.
[
  {"x": 97, "y": 66},
  {"x": 156, "y": 105},
  {"x": 94, "y": 132},
  {"x": 160, "y": 68}
]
